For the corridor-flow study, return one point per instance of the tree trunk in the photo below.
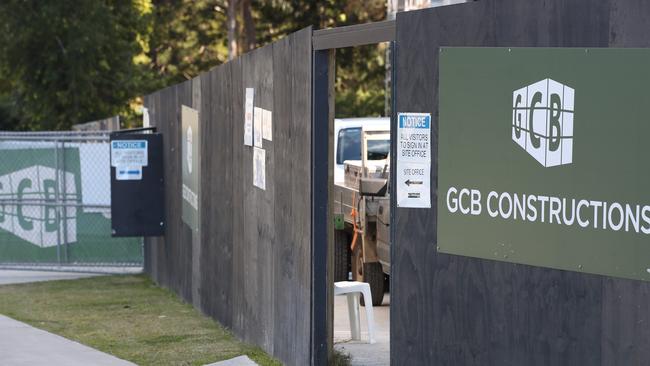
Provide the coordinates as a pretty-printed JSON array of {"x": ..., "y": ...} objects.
[
  {"x": 232, "y": 29},
  {"x": 249, "y": 27}
]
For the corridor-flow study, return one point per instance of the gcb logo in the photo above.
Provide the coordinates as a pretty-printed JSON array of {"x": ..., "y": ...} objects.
[{"x": 542, "y": 121}]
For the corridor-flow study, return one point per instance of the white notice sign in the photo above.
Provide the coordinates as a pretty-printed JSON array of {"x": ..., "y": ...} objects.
[
  {"x": 259, "y": 168},
  {"x": 414, "y": 137},
  {"x": 267, "y": 123},
  {"x": 248, "y": 117},
  {"x": 128, "y": 157},
  {"x": 414, "y": 160},
  {"x": 257, "y": 126},
  {"x": 129, "y": 153}
]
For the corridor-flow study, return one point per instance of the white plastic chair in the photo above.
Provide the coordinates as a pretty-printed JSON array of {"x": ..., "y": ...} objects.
[{"x": 352, "y": 289}]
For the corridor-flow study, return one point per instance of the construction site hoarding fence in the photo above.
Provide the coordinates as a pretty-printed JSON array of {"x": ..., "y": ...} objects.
[
  {"x": 55, "y": 202},
  {"x": 245, "y": 259}
]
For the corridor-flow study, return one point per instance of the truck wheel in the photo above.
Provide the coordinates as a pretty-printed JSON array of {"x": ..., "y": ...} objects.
[
  {"x": 341, "y": 256},
  {"x": 371, "y": 273},
  {"x": 374, "y": 276}
]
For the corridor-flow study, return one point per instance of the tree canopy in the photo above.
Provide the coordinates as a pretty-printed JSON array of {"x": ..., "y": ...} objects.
[
  {"x": 64, "y": 62},
  {"x": 70, "y": 61}
]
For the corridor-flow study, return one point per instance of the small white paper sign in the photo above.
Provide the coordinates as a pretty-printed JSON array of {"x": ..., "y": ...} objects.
[
  {"x": 267, "y": 123},
  {"x": 248, "y": 116},
  {"x": 257, "y": 133},
  {"x": 259, "y": 168},
  {"x": 145, "y": 117}
]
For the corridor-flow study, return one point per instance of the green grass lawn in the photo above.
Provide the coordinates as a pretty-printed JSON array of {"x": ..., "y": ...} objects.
[{"x": 126, "y": 316}]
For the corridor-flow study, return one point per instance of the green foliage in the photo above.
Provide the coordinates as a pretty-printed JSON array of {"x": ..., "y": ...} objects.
[
  {"x": 67, "y": 62},
  {"x": 360, "y": 71},
  {"x": 339, "y": 358},
  {"x": 71, "y": 61},
  {"x": 8, "y": 121},
  {"x": 360, "y": 80},
  {"x": 184, "y": 38}
]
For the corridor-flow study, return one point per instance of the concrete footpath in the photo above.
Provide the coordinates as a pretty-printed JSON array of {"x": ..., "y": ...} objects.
[
  {"x": 21, "y": 344},
  {"x": 237, "y": 361},
  {"x": 363, "y": 353},
  {"x": 9, "y": 277},
  {"x": 24, "y": 345}
]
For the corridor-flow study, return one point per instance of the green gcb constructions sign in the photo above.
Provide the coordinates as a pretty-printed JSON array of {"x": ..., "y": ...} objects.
[
  {"x": 543, "y": 158},
  {"x": 191, "y": 166}
]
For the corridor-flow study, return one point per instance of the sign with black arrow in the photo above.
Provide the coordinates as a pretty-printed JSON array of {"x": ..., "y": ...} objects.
[
  {"x": 413, "y": 185},
  {"x": 409, "y": 182},
  {"x": 414, "y": 160}
]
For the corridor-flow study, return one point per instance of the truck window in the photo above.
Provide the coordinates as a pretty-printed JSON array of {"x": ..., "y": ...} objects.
[
  {"x": 349, "y": 146},
  {"x": 378, "y": 149}
]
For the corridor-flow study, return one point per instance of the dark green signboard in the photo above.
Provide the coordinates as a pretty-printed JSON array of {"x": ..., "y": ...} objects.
[
  {"x": 543, "y": 157},
  {"x": 191, "y": 166}
]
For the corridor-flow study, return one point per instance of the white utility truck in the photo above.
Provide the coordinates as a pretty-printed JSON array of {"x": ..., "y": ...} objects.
[{"x": 361, "y": 203}]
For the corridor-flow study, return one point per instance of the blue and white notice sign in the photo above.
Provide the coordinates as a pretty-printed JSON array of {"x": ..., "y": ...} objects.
[
  {"x": 128, "y": 157},
  {"x": 414, "y": 160}
]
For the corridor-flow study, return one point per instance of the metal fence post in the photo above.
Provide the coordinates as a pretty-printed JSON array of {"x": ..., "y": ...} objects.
[
  {"x": 64, "y": 220},
  {"x": 58, "y": 203}
]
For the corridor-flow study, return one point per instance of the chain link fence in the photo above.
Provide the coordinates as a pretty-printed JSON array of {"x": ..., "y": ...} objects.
[{"x": 55, "y": 203}]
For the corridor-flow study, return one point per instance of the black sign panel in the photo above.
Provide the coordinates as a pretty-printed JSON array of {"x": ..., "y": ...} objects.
[{"x": 137, "y": 184}]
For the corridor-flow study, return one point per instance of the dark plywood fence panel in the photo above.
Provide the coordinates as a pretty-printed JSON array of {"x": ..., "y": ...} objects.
[
  {"x": 626, "y": 304},
  {"x": 251, "y": 266},
  {"x": 452, "y": 310}
]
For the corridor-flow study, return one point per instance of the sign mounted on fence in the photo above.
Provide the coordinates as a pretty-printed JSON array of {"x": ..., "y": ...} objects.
[
  {"x": 128, "y": 157},
  {"x": 543, "y": 158},
  {"x": 248, "y": 116},
  {"x": 258, "y": 115},
  {"x": 414, "y": 160},
  {"x": 191, "y": 164},
  {"x": 259, "y": 168},
  {"x": 267, "y": 123}
]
